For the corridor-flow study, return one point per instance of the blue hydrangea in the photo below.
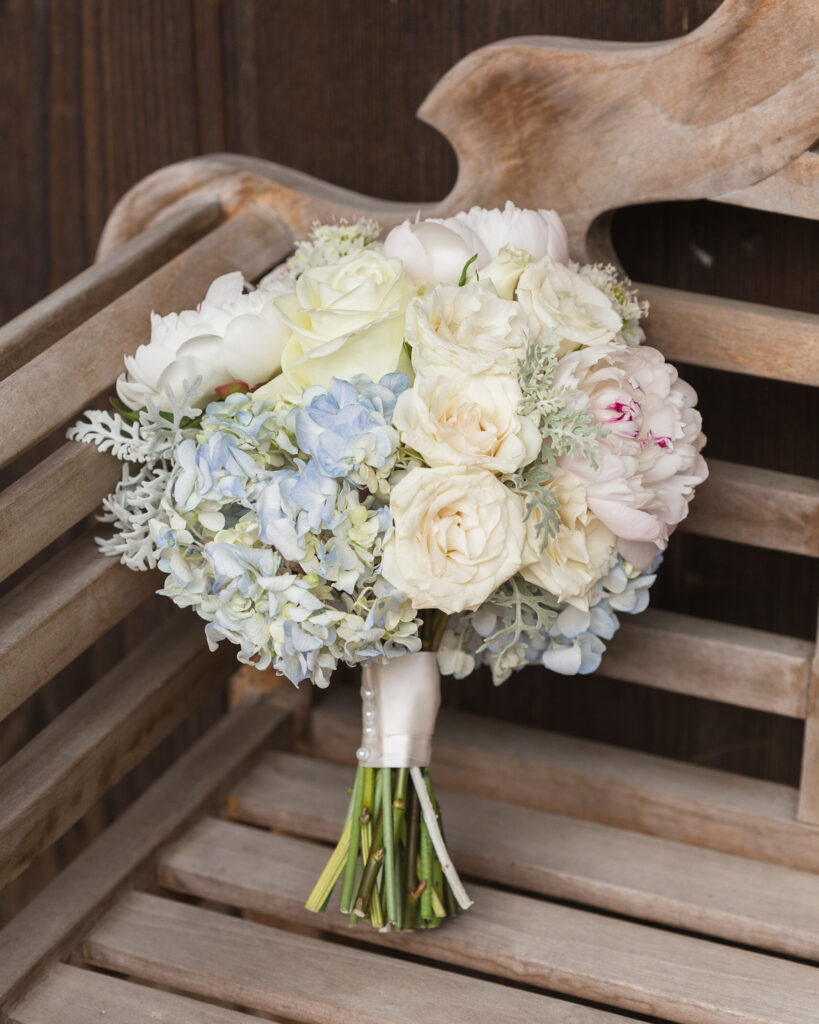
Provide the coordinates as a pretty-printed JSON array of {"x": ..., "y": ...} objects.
[
  {"x": 346, "y": 428},
  {"x": 274, "y": 525}
]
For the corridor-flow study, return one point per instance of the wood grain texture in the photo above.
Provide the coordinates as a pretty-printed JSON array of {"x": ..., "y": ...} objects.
[
  {"x": 794, "y": 190},
  {"x": 59, "y": 610},
  {"x": 759, "y": 507},
  {"x": 301, "y": 978},
  {"x": 502, "y": 106},
  {"x": 30, "y": 520},
  {"x": 69, "y": 995},
  {"x": 712, "y": 659},
  {"x": 808, "y": 809},
  {"x": 54, "y": 919},
  {"x": 640, "y": 876},
  {"x": 618, "y": 963},
  {"x": 79, "y": 756},
  {"x": 36, "y": 399},
  {"x": 725, "y": 334},
  {"x": 80, "y": 298},
  {"x": 596, "y": 782}
]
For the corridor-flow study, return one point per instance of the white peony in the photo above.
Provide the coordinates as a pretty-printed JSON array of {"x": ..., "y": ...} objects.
[
  {"x": 459, "y": 533},
  {"x": 436, "y": 250},
  {"x": 233, "y": 335},
  {"x": 579, "y": 555},
  {"x": 558, "y": 299},
  {"x": 468, "y": 329},
  {"x": 343, "y": 319},
  {"x": 460, "y": 420},
  {"x": 648, "y": 462}
]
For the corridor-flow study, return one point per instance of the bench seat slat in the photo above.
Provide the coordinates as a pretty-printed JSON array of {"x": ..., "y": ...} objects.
[
  {"x": 60, "y": 610},
  {"x": 66, "y": 486},
  {"x": 50, "y": 924},
  {"x": 759, "y": 507},
  {"x": 717, "y": 660},
  {"x": 625, "y": 872},
  {"x": 64, "y": 380},
  {"x": 70, "y": 995},
  {"x": 597, "y": 782},
  {"x": 621, "y": 963},
  {"x": 301, "y": 978},
  {"x": 726, "y": 334},
  {"x": 76, "y": 759}
]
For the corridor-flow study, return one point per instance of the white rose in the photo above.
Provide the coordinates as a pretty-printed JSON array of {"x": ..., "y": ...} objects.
[
  {"x": 436, "y": 250},
  {"x": 648, "y": 462},
  {"x": 232, "y": 335},
  {"x": 459, "y": 533},
  {"x": 505, "y": 270},
  {"x": 468, "y": 329},
  {"x": 460, "y": 420},
  {"x": 343, "y": 319},
  {"x": 560, "y": 300},
  {"x": 579, "y": 555}
]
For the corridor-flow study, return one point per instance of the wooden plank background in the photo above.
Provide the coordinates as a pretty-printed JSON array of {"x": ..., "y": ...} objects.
[{"x": 95, "y": 94}]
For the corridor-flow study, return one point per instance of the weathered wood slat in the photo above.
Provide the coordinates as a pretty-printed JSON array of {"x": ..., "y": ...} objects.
[
  {"x": 759, "y": 507},
  {"x": 625, "y": 872},
  {"x": 716, "y": 660},
  {"x": 70, "y": 995},
  {"x": 68, "y": 766},
  {"x": 596, "y": 782},
  {"x": 630, "y": 966},
  {"x": 808, "y": 809},
  {"x": 59, "y": 383},
  {"x": 49, "y": 925},
  {"x": 64, "y": 309},
  {"x": 300, "y": 978},
  {"x": 794, "y": 190},
  {"x": 30, "y": 518},
  {"x": 64, "y": 606},
  {"x": 725, "y": 334}
]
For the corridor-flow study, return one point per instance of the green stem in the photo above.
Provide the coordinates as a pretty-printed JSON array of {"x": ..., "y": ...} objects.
[
  {"x": 331, "y": 873},
  {"x": 355, "y": 838},
  {"x": 374, "y": 856},
  {"x": 389, "y": 846},
  {"x": 410, "y": 876},
  {"x": 440, "y": 628},
  {"x": 426, "y": 871}
]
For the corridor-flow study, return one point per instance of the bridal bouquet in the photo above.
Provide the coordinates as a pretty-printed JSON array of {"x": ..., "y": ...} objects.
[{"x": 440, "y": 451}]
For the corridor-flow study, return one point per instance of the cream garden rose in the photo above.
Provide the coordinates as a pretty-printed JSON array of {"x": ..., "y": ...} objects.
[
  {"x": 468, "y": 329},
  {"x": 458, "y": 534},
  {"x": 343, "y": 319},
  {"x": 559, "y": 299},
  {"x": 459, "y": 420},
  {"x": 578, "y": 555}
]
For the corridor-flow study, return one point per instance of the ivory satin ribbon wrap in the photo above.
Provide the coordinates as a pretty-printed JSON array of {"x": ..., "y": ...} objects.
[{"x": 400, "y": 702}]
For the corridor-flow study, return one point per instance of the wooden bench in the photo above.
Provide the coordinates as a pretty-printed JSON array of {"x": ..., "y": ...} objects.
[{"x": 617, "y": 883}]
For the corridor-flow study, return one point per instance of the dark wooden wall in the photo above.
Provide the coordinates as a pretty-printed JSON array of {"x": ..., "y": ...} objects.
[{"x": 95, "y": 94}]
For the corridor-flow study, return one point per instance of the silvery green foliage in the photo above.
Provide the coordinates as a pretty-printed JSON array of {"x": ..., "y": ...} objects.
[
  {"x": 565, "y": 428},
  {"x": 145, "y": 443},
  {"x": 522, "y": 624}
]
